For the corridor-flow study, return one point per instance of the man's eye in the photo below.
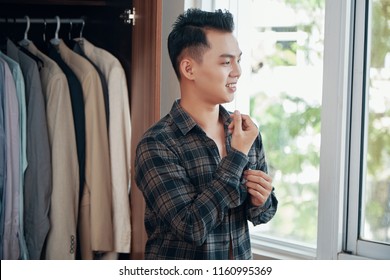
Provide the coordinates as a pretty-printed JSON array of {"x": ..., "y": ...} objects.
[{"x": 227, "y": 62}]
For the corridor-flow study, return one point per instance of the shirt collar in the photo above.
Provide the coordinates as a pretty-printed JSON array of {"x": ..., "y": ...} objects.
[{"x": 186, "y": 123}]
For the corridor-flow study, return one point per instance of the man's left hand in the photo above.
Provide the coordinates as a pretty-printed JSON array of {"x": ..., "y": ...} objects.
[{"x": 259, "y": 186}]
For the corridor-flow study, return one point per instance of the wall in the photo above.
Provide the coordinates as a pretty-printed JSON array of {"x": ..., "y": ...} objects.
[{"x": 169, "y": 84}]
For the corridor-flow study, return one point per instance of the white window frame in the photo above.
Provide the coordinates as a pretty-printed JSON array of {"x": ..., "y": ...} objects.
[
  {"x": 334, "y": 128},
  {"x": 359, "y": 115}
]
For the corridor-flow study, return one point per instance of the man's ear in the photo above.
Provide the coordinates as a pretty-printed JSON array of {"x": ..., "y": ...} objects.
[{"x": 187, "y": 68}]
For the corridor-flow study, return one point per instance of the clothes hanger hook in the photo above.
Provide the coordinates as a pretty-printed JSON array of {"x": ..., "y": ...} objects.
[
  {"x": 70, "y": 30},
  {"x": 27, "y": 28},
  {"x": 58, "y": 27},
  {"x": 44, "y": 30},
  {"x": 82, "y": 29},
  {"x": 56, "y": 40},
  {"x": 25, "y": 41}
]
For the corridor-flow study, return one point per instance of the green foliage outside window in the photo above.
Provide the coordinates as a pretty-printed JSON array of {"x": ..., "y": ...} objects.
[
  {"x": 282, "y": 132},
  {"x": 286, "y": 133}
]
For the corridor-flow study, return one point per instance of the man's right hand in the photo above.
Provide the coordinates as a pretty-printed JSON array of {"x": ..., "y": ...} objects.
[{"x": 244, "y": 132}]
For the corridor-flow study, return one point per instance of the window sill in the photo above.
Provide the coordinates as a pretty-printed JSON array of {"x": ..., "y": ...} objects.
[
  {"x": 277, "y": 249},
  {"x": 344, "y": 256}
]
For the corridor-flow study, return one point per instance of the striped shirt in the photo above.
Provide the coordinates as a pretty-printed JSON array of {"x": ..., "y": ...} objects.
[{"x": 197, "y": 205}]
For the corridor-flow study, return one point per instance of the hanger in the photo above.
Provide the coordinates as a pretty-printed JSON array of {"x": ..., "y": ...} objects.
[
  {"x": 44, "y": 30},
  {"x": 82, "y": 29},
  {"x": 80, "y": 41},
  {"x": 70, "y": 30},
  {"x": 69, "y": 40},
  {"x": 25, "y": 42},
  {"x": 56, "y": 40},
  {"x": 43, "y": 44}
]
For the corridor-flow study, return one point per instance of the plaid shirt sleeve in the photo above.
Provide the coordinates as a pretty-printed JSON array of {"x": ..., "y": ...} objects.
[
  {"x": 168, "y": 191},
  {"x": 264, "y": 213}
]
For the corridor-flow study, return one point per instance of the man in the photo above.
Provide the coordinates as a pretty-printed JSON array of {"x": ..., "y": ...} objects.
[{"x": 201, "y": 170}]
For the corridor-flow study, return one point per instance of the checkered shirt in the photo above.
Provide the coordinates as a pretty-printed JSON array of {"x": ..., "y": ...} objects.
[{"x": 197, "y": 206}]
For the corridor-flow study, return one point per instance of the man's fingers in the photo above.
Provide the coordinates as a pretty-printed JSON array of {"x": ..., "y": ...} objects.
[
  {"x": 264, "y": 190},
  {"x": 246, "y": 122},
  {"x": 258, "y": 181},
  {"x": 241, "y": 121},
  {"x": 242, "y": 139},
  {"x": 257, "y": 198},
  {"x": 251, "y": 174},
  {"x": 237, "y": 120}
]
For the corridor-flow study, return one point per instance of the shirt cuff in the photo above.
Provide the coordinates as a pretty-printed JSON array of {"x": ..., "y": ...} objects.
[
  {"x": 235, "y": 163},
  {"x": 257, "y": 210}
]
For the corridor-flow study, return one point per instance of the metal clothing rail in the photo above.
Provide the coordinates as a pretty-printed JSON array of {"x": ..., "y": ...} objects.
[
  {"x": 128, "y": 17},
  {"x": 56, "y": 20},
  {"x": 44, "y": 21}
]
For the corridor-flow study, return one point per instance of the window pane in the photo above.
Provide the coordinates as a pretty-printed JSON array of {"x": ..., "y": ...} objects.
[
  {"x": 376, "y": 192},
  {"x": 285, "y": 100}
]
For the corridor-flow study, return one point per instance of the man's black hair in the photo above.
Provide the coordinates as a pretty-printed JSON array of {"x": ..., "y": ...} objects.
[{"x": 188, "y": 33}]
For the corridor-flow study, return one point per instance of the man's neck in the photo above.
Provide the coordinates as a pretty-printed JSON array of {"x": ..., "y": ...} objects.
[{"x": 205, "y": 115}]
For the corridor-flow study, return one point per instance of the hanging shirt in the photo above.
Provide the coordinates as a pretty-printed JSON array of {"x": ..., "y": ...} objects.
[
  {"x": 11, "y": 248},
  {"x": 95, "y": 219},
  {"x": 119, "y": 139},
  {"x": 21, "y": 95},
  {"x": 3, "y": 157},
  {"x": 61, "y": 239}
]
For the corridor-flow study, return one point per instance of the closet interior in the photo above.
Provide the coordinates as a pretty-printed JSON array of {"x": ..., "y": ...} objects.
[
  {"x": 108, "y": 25},
  {"x": 104, "y": 23}
]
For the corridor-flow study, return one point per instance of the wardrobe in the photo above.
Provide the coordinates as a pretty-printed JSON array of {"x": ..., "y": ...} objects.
[{"x": 131, "y": 31}]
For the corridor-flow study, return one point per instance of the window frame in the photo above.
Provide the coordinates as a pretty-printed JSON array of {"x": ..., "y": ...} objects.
[
  {"x": 359, "y": 116},
  {"x": 334, "y": 150}
]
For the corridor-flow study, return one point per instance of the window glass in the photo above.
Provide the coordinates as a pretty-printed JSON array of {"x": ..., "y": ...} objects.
[
  {"x": 281, "y": 88},
  {"x": 375, "y": 219}
]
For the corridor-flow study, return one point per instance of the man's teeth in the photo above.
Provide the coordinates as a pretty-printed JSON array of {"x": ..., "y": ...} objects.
[{"x": 230, "y": 85}]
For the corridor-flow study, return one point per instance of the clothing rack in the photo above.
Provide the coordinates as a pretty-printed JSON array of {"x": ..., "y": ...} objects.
[
  {"x": 56, "y": 20},
  {"x": 127, "y": 17}
]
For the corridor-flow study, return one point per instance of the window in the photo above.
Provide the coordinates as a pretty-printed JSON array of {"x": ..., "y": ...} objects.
[{"x": 369, "y": 202}]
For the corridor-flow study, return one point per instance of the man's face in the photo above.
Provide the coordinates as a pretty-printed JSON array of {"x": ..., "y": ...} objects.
[{"x": 217, "y": 73}]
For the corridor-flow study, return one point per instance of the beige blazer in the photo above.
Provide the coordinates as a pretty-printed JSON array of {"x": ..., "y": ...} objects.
[
  {"x": 61, "y": 239},
  {"x": 95, "y": 219},
  {"x": 119, "y": 139}
]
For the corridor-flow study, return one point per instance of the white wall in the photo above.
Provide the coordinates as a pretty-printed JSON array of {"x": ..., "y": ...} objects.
[{"x": 169, "y": 83}]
